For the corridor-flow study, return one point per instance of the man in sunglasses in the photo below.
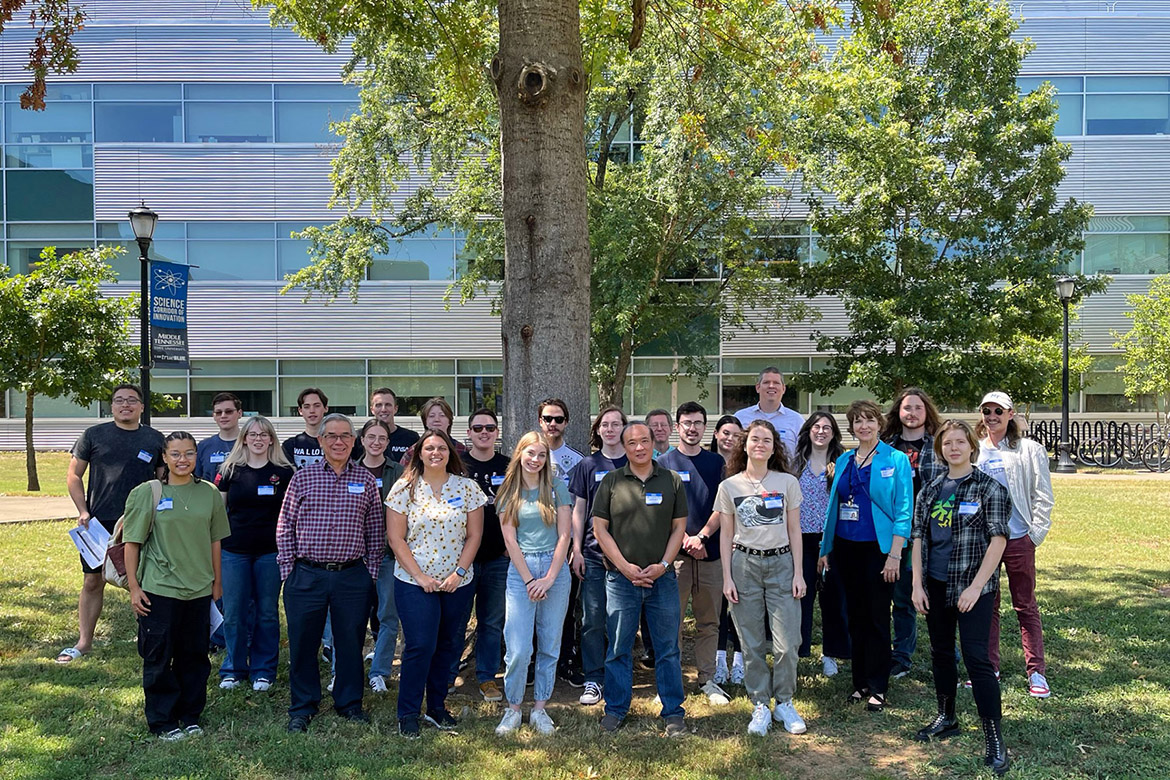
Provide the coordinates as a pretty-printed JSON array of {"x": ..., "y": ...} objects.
[
  {"x": 487, "y": 467},
  {"x": 553, "y": 416},
  {"x": 226, "y": 409}
]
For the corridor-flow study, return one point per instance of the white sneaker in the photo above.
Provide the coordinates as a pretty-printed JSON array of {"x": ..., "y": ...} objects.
[
  {"x": 540, "y": 721},
  {"x": 229, "y": 683},
  {"x": 1038, "y": 686},
  {"x": 509, "y": 723},
  {"x": 378, "y": 684},
  {"x": 786, "y": 713},
  {"x": 174, "y": 735},
  {"x": 829, "y": 666},
  {"x": 715, "y": 694},
  {"x": 737, "y": 670},
  {"x": 591, "y": 695},
  {"x": 370, "y": 657},
  {"x": 722, "y": 675},
  {"x": 761, "y": 720},
  {"x": 332, "y": 680},
  {"x": 261, "y": 684}
]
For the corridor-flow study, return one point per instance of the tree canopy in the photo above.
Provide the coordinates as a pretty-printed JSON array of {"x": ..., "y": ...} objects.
[{"x": 53, "y": 51}]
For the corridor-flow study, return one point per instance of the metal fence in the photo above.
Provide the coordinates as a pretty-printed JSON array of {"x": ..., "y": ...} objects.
[{"x": 1109, "y": 444}]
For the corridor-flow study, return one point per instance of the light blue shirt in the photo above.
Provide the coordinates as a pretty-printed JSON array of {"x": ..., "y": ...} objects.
[
  {"x": 533, "y": 534},
  {"x": 787, "y": 423}
]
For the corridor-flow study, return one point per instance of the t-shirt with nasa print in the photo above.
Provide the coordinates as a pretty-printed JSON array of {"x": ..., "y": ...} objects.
[{"x": 760, "y": 508}]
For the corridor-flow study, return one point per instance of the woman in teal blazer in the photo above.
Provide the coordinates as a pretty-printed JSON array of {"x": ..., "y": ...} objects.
[{"x": 868, "y": 522}]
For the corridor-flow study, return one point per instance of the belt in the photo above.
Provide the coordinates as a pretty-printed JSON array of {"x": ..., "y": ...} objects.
[
  {"x": 329, "y": 566},
  {"x": 762, "y": 553}
]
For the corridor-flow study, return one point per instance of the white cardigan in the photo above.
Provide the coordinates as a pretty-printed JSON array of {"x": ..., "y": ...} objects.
[{"x": 1029, "y": 483}]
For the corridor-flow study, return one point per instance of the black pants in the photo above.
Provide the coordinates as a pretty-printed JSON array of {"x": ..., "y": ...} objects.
[
  {"x": 310, "y": 593},
  {"x": 867, "y": 601},
  {"x": 974, "y": 629},
  {"x": 571, "y": 633},
  {"x": 834, "y": 623},
  {"x": 172, "y": 641}
]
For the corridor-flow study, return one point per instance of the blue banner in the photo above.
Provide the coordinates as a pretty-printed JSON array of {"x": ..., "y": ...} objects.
[{"x": 168, "y": 314}]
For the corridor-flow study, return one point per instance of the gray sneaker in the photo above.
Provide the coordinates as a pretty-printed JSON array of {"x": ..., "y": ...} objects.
[
  {"x": 540, "y": 721},
  {"x": 676, "y": 726},
  {"x": 509, "y": 723},
  {"x": 611, "y": 723}
]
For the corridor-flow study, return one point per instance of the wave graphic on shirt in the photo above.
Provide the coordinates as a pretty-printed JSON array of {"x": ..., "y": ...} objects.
[{"x": 751, "y": 512}]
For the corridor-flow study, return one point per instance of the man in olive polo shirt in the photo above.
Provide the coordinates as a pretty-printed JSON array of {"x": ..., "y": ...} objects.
[{"x": 639, "y": 519}]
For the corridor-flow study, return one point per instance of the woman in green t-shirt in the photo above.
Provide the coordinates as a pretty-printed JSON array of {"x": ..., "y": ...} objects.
[{"x": 173, "y": 570}]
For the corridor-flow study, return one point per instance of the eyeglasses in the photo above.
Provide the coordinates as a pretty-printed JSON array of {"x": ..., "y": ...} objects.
[
  {"x": 692, "y": 424},
  {"x": 988, "y": 411},
  {"x": 376, "y": 439},
  {"x": 482, "y": 428},
  {"x": 126, "y": 401},
  {"x": 218, "y": 412},
  {"x": 553, "y": 418},
  {"x": 257, "y": 436},
  {"x": 337, "y": 437}
]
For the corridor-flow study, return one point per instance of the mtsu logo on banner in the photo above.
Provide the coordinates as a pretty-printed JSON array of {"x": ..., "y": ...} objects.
[{"x": 168, "y": 314}]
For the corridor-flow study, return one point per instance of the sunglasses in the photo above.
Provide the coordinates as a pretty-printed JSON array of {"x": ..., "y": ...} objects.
[
  {"x": 482, "y": 428},
  {"x": 988, "y": 411},
  {"x": 553, "y": 418}
]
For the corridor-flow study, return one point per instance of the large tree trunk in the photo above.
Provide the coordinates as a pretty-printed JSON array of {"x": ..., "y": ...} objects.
[
  {"x": 30, "y": 452},
  {"x": 545, "y": 323}
]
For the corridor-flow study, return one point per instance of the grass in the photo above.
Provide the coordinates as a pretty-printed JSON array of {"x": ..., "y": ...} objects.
[
  {"x": 1105, "y": 598},
  {"x": 51, "y": 468}
]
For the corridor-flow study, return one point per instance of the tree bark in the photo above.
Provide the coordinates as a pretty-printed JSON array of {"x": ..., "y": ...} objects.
[
  {"x": 545, "y": 313},
  {"x": 30, "y": 452}
]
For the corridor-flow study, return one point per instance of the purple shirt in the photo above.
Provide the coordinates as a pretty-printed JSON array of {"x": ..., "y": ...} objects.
[
  {"x": 815, "y": 505},
  {"x": 331, "y": 518}
]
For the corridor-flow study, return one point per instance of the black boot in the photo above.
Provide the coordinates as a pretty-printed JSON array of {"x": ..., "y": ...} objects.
[
  {"x": 997, "y": 755},
  {"x": 944, "y": 725}
]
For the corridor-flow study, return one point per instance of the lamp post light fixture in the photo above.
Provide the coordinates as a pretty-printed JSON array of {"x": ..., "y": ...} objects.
[
  {"x": 143, "y": 220},
  {"x": 1065, "y": 288}
]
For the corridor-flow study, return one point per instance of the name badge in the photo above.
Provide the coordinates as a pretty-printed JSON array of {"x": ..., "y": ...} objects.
[
  {"x": 849, "y": 513},
  {"x": 774, "y": 502},
  {"x": 165, "y": 503},
  {"x": 497, "y": 480},
  {"x": 995, "y": 465},
  {"x": 145, "y": 456},
  {"x": 653, "y": 498},
  {"x": 968, "y": 507},
  {"x": 357, "y": 488},
  {"x": 887, "y": 473},
  {"x": 266, "y": 490},
  {"x": 599, "y": 475},
  {"x": 456, "y": 502},
  {"x": 218, "y": 457},
  {"x": 379, "y": 481},
  {"x": 685, "y": 476}
]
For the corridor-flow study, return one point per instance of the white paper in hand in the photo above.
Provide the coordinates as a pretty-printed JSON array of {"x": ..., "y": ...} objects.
[{"x": 216, "y": 619}]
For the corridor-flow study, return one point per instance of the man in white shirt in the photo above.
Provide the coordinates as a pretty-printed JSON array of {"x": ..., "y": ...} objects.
[
  {"x": 553, "y": 416},
  {"x": 770, "y": 387}
]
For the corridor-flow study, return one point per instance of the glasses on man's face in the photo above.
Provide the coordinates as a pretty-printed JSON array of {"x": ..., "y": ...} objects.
[
  {"x": 332, "y": 437},
  {"x": 220, "y": 412},
  {"x": 130, "y": 401},
  {"x": 553, "y": 418},
  {"x": 988, "y": 411},
  {"x": 481, "y": 428},
  {"x": 257, "y": 436},
  {"x": 691, "y": 424}
]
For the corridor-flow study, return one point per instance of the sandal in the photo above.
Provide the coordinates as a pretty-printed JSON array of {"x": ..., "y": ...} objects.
[
  {"x": 857, "y": 697},
  {"x": 876, "y": 706},
  {"x": 69, "y": 655}
]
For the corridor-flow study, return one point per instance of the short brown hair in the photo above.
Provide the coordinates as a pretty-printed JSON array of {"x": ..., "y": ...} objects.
[
  {"x": 442, "y": 404},
  {"x": 865, "y": 408},
  {"x": 956, "y": 425}
]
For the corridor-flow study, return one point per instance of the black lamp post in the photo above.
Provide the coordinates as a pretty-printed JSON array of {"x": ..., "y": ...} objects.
[
  {"x": 143, "y": 220},
  {"x": 1065, "y": 287}
]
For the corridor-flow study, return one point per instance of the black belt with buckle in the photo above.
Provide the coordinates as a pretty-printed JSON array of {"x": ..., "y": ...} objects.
[
  {"x": 330, "y": 566},
  {"x": 762, "y": 553}
]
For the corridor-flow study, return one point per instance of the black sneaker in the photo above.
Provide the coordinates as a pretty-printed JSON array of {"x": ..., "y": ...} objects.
[
  {"x": 676, "y": 726},
  {"x": 899, "y": 670},
  {"x": 298, "y": 724},
  {"x": 531, "y": 676},
  {"x": 441, "y": 720},
  {"x": 611, "y": 723},
  {"x": 408, "y": 728},
  {"x": 327, "y": 654},
  {"x": 572, "y": 675},
  {"x": 357, "y": 716},
  {"x": 646, "y": 662}
]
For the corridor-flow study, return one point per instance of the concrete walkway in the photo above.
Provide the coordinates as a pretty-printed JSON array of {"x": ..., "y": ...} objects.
[{"x": 23, "y": 509}]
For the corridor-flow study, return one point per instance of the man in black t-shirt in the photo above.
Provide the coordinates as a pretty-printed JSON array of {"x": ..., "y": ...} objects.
[
  {"x": 304, "y": 449},
  {"x": 487, "y": 467},
  {"x": 119, "y": 455},
  {"x": 383, "y": 406}
]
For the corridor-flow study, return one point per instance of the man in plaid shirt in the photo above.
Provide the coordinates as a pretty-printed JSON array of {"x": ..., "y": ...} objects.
[{"x": 329, "y": 543}]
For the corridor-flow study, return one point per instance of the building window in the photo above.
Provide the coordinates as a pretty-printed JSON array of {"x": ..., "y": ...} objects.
[
  {"x": 58, "y": 195},
  {"x": 229, "y": 123},
  {"x": 308, "y": 123},
  {"x": 138, "y": 122},
  {"x": 1128, "y": 245},
  {"x": 1105, "y": 388},
  {"x": 49, "y": 156}
]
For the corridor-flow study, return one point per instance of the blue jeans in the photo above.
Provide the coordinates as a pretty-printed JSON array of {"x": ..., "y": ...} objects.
[
  {"x": 248, "y": 579},
  {"x": 904, "y": 614},
  {"x": 593, "y": 622},
  {"x": 547, "y": 616},
  {"x": 491, "y": 580},
  {"x": 625, "y": 603},
  {"x": 432, "y": 628},
  {"x": 387, "y": 620}
]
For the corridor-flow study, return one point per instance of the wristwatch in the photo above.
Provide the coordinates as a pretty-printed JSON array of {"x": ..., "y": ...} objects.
[
  {"x": 462, "y": 572},
  {"x": 665, "y": 566},
  {"x": 702, "y": 536}
]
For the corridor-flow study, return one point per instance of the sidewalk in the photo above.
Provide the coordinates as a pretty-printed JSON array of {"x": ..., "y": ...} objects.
[{"x": 24, "y": 509}]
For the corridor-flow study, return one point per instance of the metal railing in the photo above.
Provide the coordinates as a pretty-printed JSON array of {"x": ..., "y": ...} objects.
[{"x": 1109, "y": 444}]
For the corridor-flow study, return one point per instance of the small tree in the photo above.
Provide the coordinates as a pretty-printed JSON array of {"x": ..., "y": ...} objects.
[
  {"x": 1147, "y": 345},
  {"x": 59, "y": 336}
]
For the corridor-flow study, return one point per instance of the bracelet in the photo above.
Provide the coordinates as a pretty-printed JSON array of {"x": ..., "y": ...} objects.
[
  {"x": 530, "y": 582},
  {"x": 895, "y": 557}
]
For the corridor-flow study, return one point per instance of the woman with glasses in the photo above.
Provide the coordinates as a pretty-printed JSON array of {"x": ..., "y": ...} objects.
[
  {"x": 818, "y": 445},
  {"x": 536, "y": 521},
  {"x": 866, "y": 528},
  {"x": 960, "y": 531},
  {"x": 434, "y": 522},
  {"x": 375, "y": 438},
  {"x": 1020, "y": 465},
  {"x": 724, "y": 441},
  {"x": 172, "y": 532},
  {"x": 252, "y": 479}
]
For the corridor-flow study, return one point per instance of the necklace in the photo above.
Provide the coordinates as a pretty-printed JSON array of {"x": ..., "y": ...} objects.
[
  {"x": 174, "y": 497},
  {"x": 861, "y": 463}
]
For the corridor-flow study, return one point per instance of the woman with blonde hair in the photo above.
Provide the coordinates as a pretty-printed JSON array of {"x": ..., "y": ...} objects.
[{"x": 536, "y": 520}]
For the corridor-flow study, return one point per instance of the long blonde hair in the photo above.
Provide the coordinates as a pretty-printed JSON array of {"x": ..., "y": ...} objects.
[
  {"x": 239, "y": 453},
  {"x": 509, "y": 495}
]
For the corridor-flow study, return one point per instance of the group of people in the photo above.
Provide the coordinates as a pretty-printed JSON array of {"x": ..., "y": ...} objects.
[{"x": 381, "y": 528}]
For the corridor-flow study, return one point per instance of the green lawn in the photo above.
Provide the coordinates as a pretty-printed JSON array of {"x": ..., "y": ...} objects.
[
  {"x": 1105, "y": 596},
  {"x": 51, "y": 467}
]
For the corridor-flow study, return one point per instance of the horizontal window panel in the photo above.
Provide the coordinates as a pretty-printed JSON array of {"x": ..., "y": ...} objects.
[
  {"x": 1119, "y": 254},
  {"x": 232, "y": 259},
  {"x": 1127, "y": 114},
  {"x": 1127, "y": 84},
  {"x": 346, "y": 394},
  {"x": 233, "y": 368},
  {"x": 49, "y": 156},
  {"x": 39, "y": 195},
  {"x": 24, "y": 255},
  {"x": 222, "y": 230},
  {"x": 412, "y": 367},
  {"x": 479, "y": 392},
  {"x": 316, "y": 92},
  {"x": 1130, "y": 224},
  {"x": 138, "y": 122},
  {"x": 291, "y": 256},
  {"x": 137, "y": 92},
  {"x": 322, "y": 367},
  {"x": 479, "y": 367},
  {"x": 52, "y": 230},
  {"x": 228, "y": 91},
  {"x": 234, "y": 123},
  {"x": 309, "y": 122},
  {"x": 59, "y": 123},
  {"x": 53, "y": 92},
  {"x": 1031, "y": 84},
  {"x": 420, "y": 259},
  {"x": 122, "y": 229},
  {"x": 414, "y": 391}
]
